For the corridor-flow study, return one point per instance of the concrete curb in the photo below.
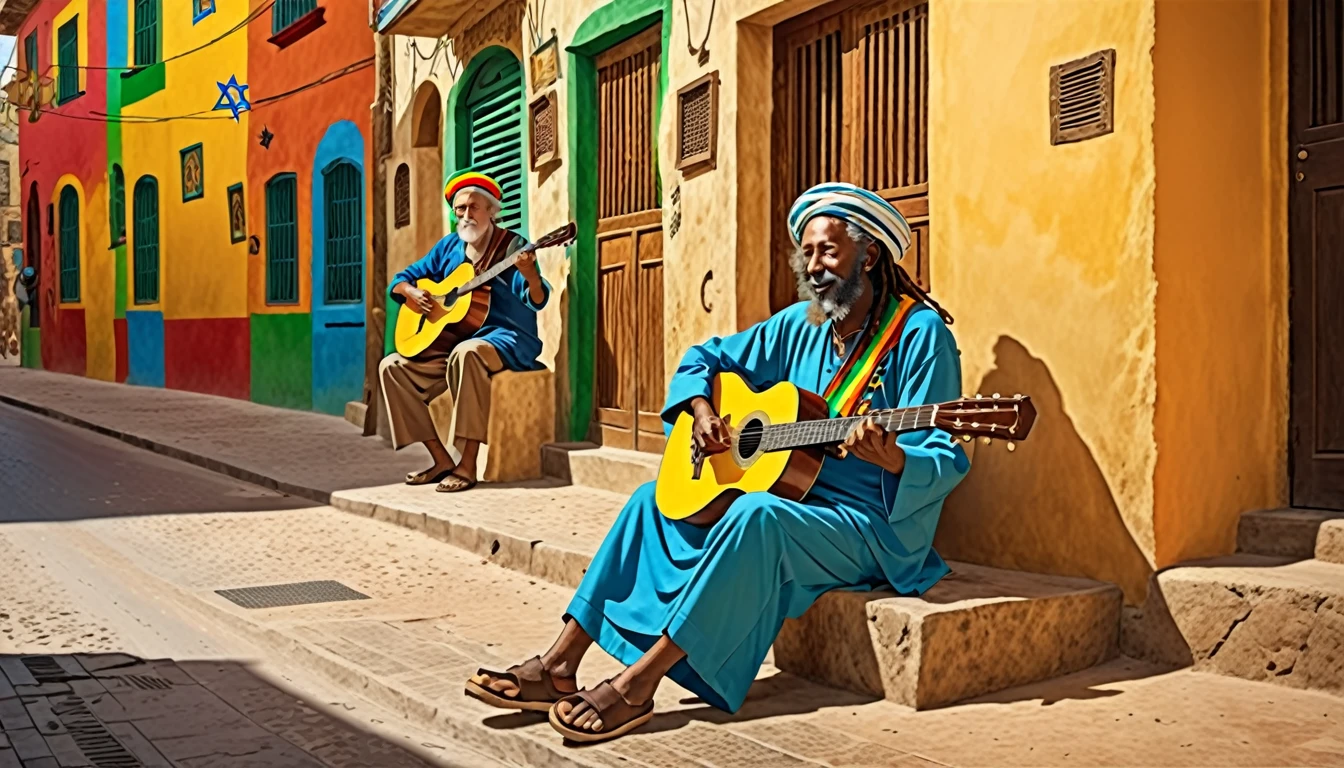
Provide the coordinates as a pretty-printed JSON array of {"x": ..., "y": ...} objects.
[{"x": 173, "y": 452}]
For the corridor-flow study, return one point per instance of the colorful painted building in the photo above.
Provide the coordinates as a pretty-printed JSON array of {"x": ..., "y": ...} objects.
[{"x": 181, "y": 249}]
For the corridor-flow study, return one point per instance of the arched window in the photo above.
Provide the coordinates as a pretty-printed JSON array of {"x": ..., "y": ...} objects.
[
  {"x": 147, "y": 35},
  {"x": 69, "y": 219},
  {"x": 493, "y": 110},
  {"x": 146, "y": 213},
  {"x": 116, "y": 206},
  {"x": 282, "y": 240},
  {"x": 401, "y": 196},
  {"x": 344, "y": 247}
]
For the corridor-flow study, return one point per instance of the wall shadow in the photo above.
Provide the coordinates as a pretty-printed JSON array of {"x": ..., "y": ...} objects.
[{"x": 1046, "y": 507}]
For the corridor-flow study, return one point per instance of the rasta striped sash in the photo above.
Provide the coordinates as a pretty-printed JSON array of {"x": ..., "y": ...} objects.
[{"x": 851, "y": 391}]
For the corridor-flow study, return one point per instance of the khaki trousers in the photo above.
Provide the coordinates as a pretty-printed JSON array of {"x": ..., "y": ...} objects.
[{"x": 409, "y": 384}]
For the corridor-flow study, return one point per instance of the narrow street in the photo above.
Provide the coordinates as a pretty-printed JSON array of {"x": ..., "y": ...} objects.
[{"x": 81, "y": 602}]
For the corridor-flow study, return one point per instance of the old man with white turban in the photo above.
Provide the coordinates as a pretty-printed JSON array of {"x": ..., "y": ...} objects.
[{"x": 703, "y": 605}]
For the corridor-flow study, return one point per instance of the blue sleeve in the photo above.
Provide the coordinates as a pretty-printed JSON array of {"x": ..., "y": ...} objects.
[
  {"x": 934, "y": 462},
  {"x": 431, "y": 265},
  {"x": 757, "y": 354},
  {"x": 524, "y": 294}
]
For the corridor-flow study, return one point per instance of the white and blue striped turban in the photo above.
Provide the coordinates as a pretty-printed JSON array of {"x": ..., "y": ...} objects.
[{"x": 853, "y": 205}]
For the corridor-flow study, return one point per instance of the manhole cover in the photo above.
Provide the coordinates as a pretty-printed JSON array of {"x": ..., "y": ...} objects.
[{"x": 300, "y": 593}]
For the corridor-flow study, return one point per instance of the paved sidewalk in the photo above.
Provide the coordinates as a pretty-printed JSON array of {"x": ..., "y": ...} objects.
[{"x": 297, "y": 452}]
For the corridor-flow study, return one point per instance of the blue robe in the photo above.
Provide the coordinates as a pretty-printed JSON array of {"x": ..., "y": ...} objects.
[
  {"x": 511, "y": 326},
  {"x": 722, "y": 593}
]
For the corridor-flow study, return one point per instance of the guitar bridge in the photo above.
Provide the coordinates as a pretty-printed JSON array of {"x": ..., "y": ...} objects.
[{"x": 697, "y": 462}]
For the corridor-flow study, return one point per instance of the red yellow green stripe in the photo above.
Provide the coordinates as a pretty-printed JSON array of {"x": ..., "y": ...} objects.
[
  {"x": 847, "y": 389},
  {"x": 471, "y": 179}
]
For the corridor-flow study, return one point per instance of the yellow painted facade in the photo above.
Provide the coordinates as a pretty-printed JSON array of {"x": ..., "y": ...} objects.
[
  {"x": 1133, "y": 284},
  {"x": 202, "y": 274}
]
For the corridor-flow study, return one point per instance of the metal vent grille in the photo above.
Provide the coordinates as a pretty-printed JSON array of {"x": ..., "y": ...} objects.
[
  {"x": 97, "y": 744},
  {"x": 545, "y": 130},
  {"x": 401, "y": 196},
  {"x": 697, "y": 123},
  {"x": 299, "y": 593},
  {"x": 1082, "y": 94}
]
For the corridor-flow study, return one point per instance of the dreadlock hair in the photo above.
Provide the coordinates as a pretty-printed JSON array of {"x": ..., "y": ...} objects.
[{"x": 889, "y": 279}]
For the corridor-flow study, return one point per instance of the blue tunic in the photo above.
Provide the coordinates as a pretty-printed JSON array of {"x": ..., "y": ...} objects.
[
  {"x": 511, "y": 326},
  {"x": 722, "y": 593}
]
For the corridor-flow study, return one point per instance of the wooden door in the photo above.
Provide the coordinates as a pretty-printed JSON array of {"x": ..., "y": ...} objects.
[
  {"x": 1316, "y": 252},
  {"x": 851, "y": 104},
  {"x": 630, "y": 386}
]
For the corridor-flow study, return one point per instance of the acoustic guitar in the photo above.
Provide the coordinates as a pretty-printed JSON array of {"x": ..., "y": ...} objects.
[
  {"x": 781, "y": 436},
  {"x": 461, "y": 300}
]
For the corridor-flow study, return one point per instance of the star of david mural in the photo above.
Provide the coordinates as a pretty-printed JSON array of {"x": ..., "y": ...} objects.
[{"x": 233, "y": 97}]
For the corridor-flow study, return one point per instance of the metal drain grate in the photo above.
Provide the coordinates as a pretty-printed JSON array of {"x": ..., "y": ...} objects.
[
  {"x": 148, "y": 682},
  {"x": 45, "y": 669},
  {"x": 98, "y": 744},
  {"x": 300, "y": 593}
]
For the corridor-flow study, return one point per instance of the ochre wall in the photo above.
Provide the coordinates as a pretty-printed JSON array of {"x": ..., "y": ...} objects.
[
  {"x": 1221, "y": 257},
  {"x": 1044, "y": 255}
]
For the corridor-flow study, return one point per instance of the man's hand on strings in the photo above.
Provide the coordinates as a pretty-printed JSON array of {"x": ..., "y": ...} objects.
[
  {"x": 709, "y": 433},
  {"x": 875, "y": 445}
]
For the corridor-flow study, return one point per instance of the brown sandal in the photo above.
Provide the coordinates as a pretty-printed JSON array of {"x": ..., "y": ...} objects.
[
  {"x": 536, "y": 687},
  {"x": 459, "y": 484},
  {"x": 618, "y": 716},
  {"x": 426, "y": 477}
]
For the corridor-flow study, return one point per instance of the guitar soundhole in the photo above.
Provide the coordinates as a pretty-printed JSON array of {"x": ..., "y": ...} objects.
[{"x": 749, "y": 438}]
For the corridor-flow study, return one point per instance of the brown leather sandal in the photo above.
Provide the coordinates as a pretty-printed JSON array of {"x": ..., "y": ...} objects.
[
  {"x": 536, "y": 688},
  {"x": 428, "y": 476},
  {"x": 618, "y": 716}
]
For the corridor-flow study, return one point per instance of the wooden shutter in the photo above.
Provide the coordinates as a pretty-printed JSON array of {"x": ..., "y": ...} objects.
[
  {"x": 286, "y": 12},
  {"x": 282, "y": 240},
  {"x": 851, "y": 104},
  {"x": 145, "y": 212},
  {"x": 67, "y": 55},
  {"x": 494, "y": 110},
  {"x": 401, "y": 197},
  {"x": 146, "y": 32},
  {"x": 345, "y": 234},
  {"x": 69, "y": 244}
]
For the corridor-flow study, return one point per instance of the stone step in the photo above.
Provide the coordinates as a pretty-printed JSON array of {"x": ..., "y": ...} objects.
[
  {"x": 1283, "y": 532},
  {"x": 592, "y": 466},
  {"x": 978, "y": 631},
  {"x": 1260, "y": 619},
  {"x": 1330, "y": 542}
]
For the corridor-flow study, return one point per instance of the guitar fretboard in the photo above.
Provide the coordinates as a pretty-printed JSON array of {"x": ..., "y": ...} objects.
[{"x": 803, "y": 434}]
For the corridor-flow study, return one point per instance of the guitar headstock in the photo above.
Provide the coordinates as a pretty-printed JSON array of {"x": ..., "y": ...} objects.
[
  {"x": 557, "y": 237},
  {"x": 989, "y": 418}
]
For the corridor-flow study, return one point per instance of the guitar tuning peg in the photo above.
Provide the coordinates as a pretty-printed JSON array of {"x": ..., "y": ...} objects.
[
  {"x": 978, "y": 396},
  {"x": 1012, "y": 446},
  {"x": 995, "y": 395},
  {"x": 985, "y": 440},
  {"x": 966, "y": 438}
]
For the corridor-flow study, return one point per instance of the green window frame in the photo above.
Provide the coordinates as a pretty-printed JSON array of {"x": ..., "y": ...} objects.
[
  {"x": 285, "y": 12},
  {"x": 147, "y": 35},
  {"x": 282, "y": 239},
  {"x": 343, "y": 193},
  {"x": 116, "y": 206},
  {"x": 67, "y": 59},
  {"x": 69, "y": 244},
  {"x": 145, "y": 210},
  {"x": 30, "y": 51},
  {"x": 493, "y": 114}
]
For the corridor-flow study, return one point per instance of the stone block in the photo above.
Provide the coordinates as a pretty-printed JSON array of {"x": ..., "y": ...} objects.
[
  {"x": 522, "y": 420},
  {"x": 1280, "y": 624},
  {"x": 978, "y": 631},
  {"x": 609, "y": 469},
  {"x": 1330, "y": 542},
  {"x": 1281, "y": 532},
  {"x": 354, "y": 412}
]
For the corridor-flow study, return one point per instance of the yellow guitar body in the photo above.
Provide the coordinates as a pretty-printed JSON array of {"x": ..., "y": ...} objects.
[
  {"x": 416, "y": 332},
  {"x": 724, "y": 476}
]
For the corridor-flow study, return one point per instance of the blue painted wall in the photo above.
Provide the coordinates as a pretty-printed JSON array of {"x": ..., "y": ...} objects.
[
  {"x": 144, "y": 343},
  {"x": 338, "y": 329}
]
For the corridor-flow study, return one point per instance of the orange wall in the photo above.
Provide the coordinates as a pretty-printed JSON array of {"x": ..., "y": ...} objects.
[{"x": 1221, "y": 262}]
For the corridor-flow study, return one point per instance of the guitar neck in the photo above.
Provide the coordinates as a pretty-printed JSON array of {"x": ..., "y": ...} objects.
[
  {"x": 495, "y": 271},
  {"x": 807, "y": 434}
]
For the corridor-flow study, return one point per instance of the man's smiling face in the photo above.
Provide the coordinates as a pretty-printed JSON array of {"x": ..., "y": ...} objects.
[{"x": 829, "y": 266}]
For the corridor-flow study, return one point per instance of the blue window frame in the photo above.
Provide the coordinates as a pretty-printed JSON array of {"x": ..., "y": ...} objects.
[{"x": 200, "y": 9}]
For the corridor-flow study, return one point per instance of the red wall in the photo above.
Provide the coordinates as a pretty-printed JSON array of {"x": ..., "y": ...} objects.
[{"x": 212, "y": 356}]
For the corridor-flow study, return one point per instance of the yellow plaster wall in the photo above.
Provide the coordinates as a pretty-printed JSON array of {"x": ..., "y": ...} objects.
[
  {"x": 97, "y": 265},
  {"x": 202, "y": 274},
  {"x": 1044, "y": 255},
  {"x": 80, "y": 8},
  {"x": 1221, "y": 262}
]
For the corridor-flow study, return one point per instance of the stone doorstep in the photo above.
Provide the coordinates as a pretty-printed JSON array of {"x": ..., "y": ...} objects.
[
  {"x": 978, "y": 631},
  {"x": 1261, "y": 620},
  {"x": 1330, "y": 542},
  {"x": 1282, "y": 532},
  {"x": 608, "y": 469},
  {"x": 522, "y": 418}
]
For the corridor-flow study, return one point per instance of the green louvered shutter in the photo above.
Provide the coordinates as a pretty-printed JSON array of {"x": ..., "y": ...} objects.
[
  {"x": 494, "y": 109},
  {"x": 146, "y": 32},
  {"x": 67, "y": 56},
  {"x": 145, "y": 210},
  {"x": 30, "y": 52},
  {"x": 282, "y": 240},
  {"x": 286, "y": 12},
  {"x": 69, "y": 244},
  {"x": 116, "y": 213},
  {"x": 345, "y": 234}
]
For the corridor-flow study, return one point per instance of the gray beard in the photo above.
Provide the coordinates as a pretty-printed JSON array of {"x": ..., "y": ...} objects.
[
  {"x": 472, "y": 233},
  {"x": 836, "y": 306}
]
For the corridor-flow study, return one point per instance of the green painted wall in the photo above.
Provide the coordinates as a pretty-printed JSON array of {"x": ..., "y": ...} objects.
[
  {"x": 282, "y": 360},
  {"x": 30, "y": 346},
  {"x": 607, "y": 26}
]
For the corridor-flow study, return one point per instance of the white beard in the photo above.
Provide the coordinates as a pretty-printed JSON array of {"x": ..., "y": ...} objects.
[{"x": 471, "y": 232}]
